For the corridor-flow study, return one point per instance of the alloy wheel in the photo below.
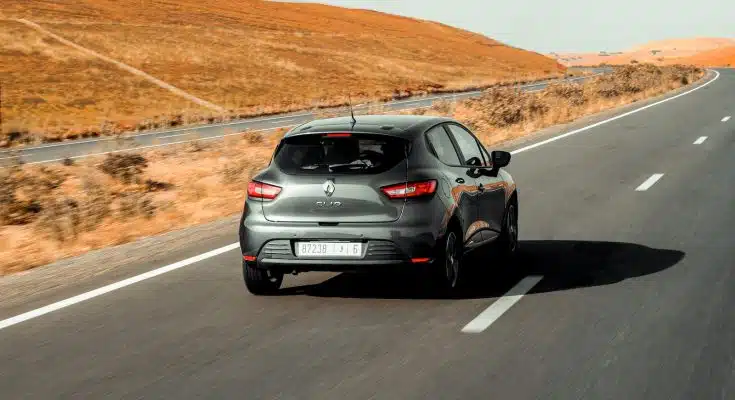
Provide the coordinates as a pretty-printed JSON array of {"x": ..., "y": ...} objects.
[
  {"x": 512, "y": 229},
  {"x": 451, "y": 262}
]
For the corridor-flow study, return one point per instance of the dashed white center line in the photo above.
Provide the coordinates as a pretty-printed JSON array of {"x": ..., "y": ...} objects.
[
  {"x": 700, "y": 140},
  {"x": 649, "y": 182},
  {"x": 726, "y": 119},
  {"x": 503, "y": 304}
]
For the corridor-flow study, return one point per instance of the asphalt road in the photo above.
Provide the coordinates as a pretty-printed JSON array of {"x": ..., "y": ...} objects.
[
  {"x": 54, "y": 152},
  {"x": 635, "y": 298}
]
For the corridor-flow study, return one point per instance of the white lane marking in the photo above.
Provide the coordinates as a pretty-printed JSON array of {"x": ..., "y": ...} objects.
[
  {"x": 171, "y": 88},
  {"x": 501, "y": 305},
  {"x": 649, "y": 182},
  {"x": 155, "y": 145},
  {"x": 263, "y": 119},
  {"x": 173, "y": 135},
  {"x": 700, "y": 140},
  {"x": 588, "y": 127},
  {"x": 113, "y": 286},
  {"x": 726, "y": 119}
]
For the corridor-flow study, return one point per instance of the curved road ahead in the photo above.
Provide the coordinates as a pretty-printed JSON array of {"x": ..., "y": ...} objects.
[
  {"x": 628, "y": 251},
  {"x": 54, "y": 152}
]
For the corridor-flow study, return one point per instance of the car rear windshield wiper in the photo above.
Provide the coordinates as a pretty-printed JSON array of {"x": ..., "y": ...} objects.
[
  {"x": 338, "y": 167},
  {"x": 348, "y": 167}
]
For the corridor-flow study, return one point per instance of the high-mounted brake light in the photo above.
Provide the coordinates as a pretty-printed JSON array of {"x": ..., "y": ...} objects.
[
  {"x": 410, "y": 189},
  {"x": 338, "y": 135},
  {"x": 260, "y": 190}
]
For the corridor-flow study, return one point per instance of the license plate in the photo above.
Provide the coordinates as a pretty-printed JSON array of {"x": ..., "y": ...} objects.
[{"x": 328, "y": 249}]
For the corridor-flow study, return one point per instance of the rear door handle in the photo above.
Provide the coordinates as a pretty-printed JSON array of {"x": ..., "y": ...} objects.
[{"x": 460, "y": 180}]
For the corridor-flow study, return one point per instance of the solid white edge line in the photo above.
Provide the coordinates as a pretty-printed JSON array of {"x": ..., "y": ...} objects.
[
  {"x": 726, "y": 119},
  {"x": 649, "y": 182},
  {"x": 113, "y": 286},
  {"x": 637, "y": 110},
  {"x": 265, "y": 119},
  {"x": 106, "y": 289},
  {"x": 700, "y": 140},
  {"x": 501, "y": 305}
]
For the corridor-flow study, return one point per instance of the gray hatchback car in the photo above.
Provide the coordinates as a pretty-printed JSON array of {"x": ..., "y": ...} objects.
[{"x": 377, "y": 193}]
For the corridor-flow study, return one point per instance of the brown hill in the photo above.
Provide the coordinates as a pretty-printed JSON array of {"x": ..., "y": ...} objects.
[
  {"x": 248, "y": 57},
  {"x": 724, "y": 57},
  {"x": 657, "y": 52}
]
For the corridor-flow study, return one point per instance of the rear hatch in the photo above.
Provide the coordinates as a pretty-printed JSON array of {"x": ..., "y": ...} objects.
[{"x": 337, "y": 178}]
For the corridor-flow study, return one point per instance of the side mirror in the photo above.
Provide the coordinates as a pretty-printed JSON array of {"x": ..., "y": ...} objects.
[
  {"x": 474, "y": 161},
  {"x": 500, "y": 159}
]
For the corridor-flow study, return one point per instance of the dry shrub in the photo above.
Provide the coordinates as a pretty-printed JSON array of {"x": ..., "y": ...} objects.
[
  {"x": 195, "y": 146},
  {"x": 16, "y": 136},
  {"x": 445, "y": 107},
  {"x": 133, "y": 204},
  {"x": 156, "y": 186},
  {"x": 23, "y": 193},
  {"x": 634, "y": 79},
  {"x": 499, "y": 108},
  {"x": 572, "y": 93},
  {"x": 500, "y": 113},
  {"x": 238, "y": 171},
  {"x": 126, "y": 167},
  {"x": 254, "y": 137}
]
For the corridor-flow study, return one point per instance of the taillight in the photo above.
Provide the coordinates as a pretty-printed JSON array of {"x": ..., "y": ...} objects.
[
  {"x": 260, "y": 190},
  {"x": 410, "y": 189},
  {"x": 338, "y": 134}
]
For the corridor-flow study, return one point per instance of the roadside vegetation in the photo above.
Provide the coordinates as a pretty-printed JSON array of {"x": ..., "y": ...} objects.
[{"x": 53, "y": 211}]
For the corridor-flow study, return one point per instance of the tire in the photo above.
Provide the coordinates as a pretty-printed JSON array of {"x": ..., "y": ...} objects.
[
  {"x": 261, "y": 282},
  {"x": 448, "y": 271},
  {"x": 507, "y": 243}
]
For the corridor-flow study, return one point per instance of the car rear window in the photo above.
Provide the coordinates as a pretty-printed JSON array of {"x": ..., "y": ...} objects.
[{"x": 339, "y": 153}]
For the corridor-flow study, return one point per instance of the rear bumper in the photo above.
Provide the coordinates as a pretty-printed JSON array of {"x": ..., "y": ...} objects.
[
  {"x": 387, "y": 246},
  {"x": 300, "y": 265}
]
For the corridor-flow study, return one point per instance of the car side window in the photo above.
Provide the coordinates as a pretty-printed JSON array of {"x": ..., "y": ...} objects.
[
  {"x": 442, "y": 145},
  {"x": 467, "y": 145}
]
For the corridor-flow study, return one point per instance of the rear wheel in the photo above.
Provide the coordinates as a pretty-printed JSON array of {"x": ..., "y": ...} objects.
[
  {"x": 507, "y": 243},
  {"x": 448, "y": 271},
  {"x": 261, "y": 281}
]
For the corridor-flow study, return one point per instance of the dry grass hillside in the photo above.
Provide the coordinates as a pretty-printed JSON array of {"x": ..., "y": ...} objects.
[
  {"x": 251, "y": 57},
  {"x": 672, "y": 51},
  {"x": 724, "y": 57},
  {"x": 48, "y": 212}
]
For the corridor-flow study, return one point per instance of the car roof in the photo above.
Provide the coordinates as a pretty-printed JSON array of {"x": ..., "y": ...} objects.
[{"x": 408, "y": 126}]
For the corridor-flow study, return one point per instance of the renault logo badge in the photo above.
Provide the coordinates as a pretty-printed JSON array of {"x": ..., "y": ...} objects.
[{"x": 328, "y": 187}]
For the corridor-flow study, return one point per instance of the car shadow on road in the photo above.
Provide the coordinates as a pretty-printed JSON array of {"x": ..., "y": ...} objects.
[{"x": 564, "y": 264}]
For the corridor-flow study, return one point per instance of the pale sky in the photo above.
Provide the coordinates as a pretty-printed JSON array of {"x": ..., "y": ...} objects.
[{"x": 569, "y": 25}]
